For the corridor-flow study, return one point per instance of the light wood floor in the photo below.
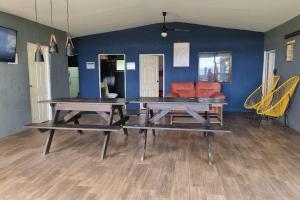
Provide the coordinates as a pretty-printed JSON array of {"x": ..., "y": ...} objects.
[{"x": 251, "y": 163}]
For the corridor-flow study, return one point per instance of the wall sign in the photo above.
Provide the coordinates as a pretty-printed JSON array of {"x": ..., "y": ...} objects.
[
  {"x": 130, "y": 66},
  {"x": 181, "y": 53},
  {"x": 90, "y": 65},
  {"x": 290, "y": 46}
]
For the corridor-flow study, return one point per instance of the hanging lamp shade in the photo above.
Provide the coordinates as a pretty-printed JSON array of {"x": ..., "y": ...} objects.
[
  {"x": 70, "y": 47},
  {"x": 164, "y": 32},
  {"x": 53, "y": 47},
  {"x": 39, "y": 57},
  {"x": 69, "y": 43}
]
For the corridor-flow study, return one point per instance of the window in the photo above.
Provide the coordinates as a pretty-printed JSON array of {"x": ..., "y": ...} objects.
[{"x": 215, "y": 67}]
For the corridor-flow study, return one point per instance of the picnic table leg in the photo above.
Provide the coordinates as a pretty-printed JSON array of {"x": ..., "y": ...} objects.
[
  {"x": 51, "y": 134},
  {"x": 111, "y": 116},
  {"x": 104, "y": 147},
  {"x": 76, "y": 121},
  {"x": 207, "y": 121},
  {"x": 146, "y": 117},
  {"x": 151, "y": 115},
  {"x": 210, "y": 148},
  {"x": 48, "y": 142},
  {"x": 73, "y": 116},
  {"x": 107, "y": 133},
  {"x": 144, "y": 144},
  {"x": 121, "y": 117}
]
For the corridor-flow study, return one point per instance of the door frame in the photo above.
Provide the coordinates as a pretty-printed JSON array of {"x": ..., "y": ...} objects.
[
  {"x": 266, "y": 61},
  {"x": 47, "y": 64},
  {"x": 99, "y": 71},
  {"x": 164, "y": 74}
]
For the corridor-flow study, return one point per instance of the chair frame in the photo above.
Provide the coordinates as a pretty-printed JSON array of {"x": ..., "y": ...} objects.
[
  {"x": 289, "y": 94},
  {"x": 276, "y": 79}
]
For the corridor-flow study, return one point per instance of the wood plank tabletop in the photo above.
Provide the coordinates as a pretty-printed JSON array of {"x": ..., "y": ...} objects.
[
  {"x": 123, "y": 101},
  {"x": 115, "y": 101},
  {"x": 164, "y": 100}
]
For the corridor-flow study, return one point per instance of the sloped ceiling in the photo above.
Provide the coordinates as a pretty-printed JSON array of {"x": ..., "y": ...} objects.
[{"x": 98, "y": 16}]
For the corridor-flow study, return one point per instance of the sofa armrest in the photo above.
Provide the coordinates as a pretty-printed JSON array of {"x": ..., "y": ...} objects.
[
  {"x": 172, "y": 95},
  {"x": 219, "y": 95}
]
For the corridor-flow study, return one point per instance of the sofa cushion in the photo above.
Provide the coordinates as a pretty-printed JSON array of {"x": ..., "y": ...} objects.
[
  {"x": 207, "y": 89},
  {"x": 186, "y": 93},
  {"x": 183, "y": 89}
]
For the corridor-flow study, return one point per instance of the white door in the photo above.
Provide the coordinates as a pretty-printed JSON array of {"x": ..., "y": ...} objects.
[
  {"x": 39, "y": 83},
  {"x": 268, "y": 71},
  {"x": 149, "y": 76},
  {"x": 74, "y": 81}
]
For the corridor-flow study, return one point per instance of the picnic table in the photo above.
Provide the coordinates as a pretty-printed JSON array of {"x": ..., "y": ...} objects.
[
  {"x": 106, "y": 108},
  {"x": 191, "y": 106},
  {"x": 109, "y": 109}
]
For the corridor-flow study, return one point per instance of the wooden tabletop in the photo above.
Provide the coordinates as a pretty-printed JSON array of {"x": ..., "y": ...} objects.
[
  {"x": 123, "y": 101},
  {"x": 177, "y": 100},
  {"x": 115, "y": 101}
]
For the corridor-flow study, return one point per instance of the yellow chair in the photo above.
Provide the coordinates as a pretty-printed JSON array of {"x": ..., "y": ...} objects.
[
  {"x": 255, "y": 98},
  {"x": 275, "y": 104}
]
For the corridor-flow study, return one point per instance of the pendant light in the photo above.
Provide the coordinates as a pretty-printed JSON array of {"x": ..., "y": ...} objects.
[
  {"x": 39, "y": 57},
  {"x": 69, "y": 43},
  {"x": 164, "y": 30},
  {"x": 53, "y": 47}
]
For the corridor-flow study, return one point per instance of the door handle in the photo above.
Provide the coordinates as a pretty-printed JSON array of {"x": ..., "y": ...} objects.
[{"x": 30, "y": 85}]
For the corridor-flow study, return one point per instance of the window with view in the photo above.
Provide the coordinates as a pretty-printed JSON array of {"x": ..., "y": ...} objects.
[{"x": 215, "y": 67}]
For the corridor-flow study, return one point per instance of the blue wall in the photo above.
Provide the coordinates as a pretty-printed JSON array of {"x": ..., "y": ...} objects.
[{"x": 246, "y": 47}]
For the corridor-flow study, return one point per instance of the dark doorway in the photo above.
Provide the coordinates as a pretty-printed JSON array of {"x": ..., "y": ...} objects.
[{"x": 112, "y": 75}]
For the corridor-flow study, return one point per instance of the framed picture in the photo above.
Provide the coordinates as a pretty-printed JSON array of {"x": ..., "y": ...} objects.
[
  {"x": 290, "y": 50},
  {"x": 181, "y": 53}
]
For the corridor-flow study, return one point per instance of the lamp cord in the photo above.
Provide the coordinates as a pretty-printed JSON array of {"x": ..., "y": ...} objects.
[
  {"x": 35, "y": 11},
  {"x": 68, "y": 17},
  {"x": 51, "y": 13},
  {"x": 51, "y": 16},
  {"x": 36, "y": 19}
]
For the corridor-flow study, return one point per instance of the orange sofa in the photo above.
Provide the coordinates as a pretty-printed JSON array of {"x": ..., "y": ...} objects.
[{"x": 199, "y": 90}]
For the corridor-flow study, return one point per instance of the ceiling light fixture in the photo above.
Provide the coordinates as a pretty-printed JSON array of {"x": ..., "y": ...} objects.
[
  {"x": 164, "y": 29},
  {"x": 39, "y": 57},
  {"x": 69, "y": 43},
  {"x": 53, "y": 47}
]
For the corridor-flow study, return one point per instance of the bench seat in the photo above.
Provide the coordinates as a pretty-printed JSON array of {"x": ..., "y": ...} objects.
[
  {"x": 76, "y": 127},
  {"x": 208, "y": 131},
  {"x": 180, "y": 127},
  {"x": 50, "y": 126}
]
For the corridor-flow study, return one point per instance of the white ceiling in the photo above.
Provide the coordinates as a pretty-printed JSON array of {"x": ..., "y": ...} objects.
[{"x": 98, "y": 16}]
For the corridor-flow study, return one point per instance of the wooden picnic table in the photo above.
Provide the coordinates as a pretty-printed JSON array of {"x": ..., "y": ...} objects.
[
  {"x": 156, "y": 109},
  {"x": 104, "y": 107},
  {"x": 191, "y": 106}
]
